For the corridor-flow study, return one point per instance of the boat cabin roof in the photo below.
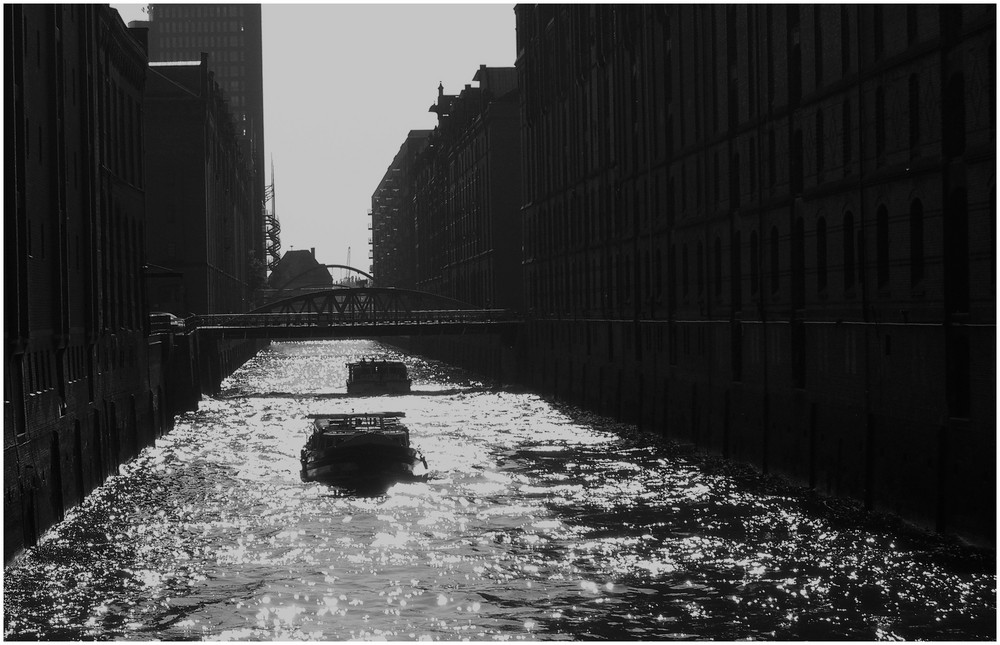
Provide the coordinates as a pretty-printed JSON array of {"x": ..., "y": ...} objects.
[{"x": 369, "y": 360}]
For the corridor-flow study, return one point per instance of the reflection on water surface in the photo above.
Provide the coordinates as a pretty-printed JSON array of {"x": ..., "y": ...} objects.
[{"x": 536, "y": 522}]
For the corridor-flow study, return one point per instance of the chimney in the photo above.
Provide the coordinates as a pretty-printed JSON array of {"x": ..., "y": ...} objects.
[{"x": 313, "y": 251}]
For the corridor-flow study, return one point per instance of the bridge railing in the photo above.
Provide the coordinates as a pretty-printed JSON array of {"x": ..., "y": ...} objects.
[{"x": 348, "y": 318}]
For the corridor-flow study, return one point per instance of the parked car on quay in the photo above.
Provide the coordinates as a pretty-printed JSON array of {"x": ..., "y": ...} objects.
[{"x": 162, "y": 322}]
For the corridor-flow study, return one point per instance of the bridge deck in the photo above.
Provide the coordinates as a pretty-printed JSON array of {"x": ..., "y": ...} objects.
[{"x": 301, "y": 325}]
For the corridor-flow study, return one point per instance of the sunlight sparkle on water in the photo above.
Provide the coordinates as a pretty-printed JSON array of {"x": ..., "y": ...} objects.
[{"x": 536, "y": 522}]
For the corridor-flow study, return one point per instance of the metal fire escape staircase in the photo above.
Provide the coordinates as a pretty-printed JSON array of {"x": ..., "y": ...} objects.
[{"x": 272, "y": 228}]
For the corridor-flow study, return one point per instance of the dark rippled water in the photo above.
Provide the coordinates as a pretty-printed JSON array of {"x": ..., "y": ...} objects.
[{"x": 537, "y": 522}]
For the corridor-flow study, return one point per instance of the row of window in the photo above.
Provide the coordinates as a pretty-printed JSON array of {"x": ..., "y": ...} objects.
[
  {"x": 827, "y": 133},
  {"x": 851, "y": 243},
  {"x": 122, "y": 239},
  {"x": 194, "y": 42},
  {"x": 954, "y": 144},
  {"x": 556, "y": 285},
  {"x": 169, "y": 27},
  {"x": 122, "y": 134},
  {"x": 547, "y": 138},
  {"x": 167, "y": 12}
]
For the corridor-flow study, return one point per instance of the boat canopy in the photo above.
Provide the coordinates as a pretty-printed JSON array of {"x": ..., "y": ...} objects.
[{"x": 355, "y": 415}]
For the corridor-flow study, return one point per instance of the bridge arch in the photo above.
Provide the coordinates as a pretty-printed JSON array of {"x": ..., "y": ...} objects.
[
  {"x": 349, "y": 268},
  {"x": 313, "y": 268}
]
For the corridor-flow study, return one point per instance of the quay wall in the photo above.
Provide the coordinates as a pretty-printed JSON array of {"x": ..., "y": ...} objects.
[
  {"x": 855, "y": 428},
  {"x": 66, "y": 440}
]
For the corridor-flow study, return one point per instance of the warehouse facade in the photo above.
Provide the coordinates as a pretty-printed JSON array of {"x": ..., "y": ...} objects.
[{"x": 770, "y": 231}]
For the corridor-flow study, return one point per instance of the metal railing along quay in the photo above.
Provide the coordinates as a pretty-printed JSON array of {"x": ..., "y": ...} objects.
[{"x": 342, "y": 323}]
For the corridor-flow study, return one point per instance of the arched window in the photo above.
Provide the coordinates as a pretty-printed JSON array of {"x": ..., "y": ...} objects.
[
  {"x": 818, "y": 43},
  {"x": 670, "y": 133},
  {"x": 820, "y": 141},
  {"x": 659, "y": 272},
  {"x": 734, "y": 181},
  {"x": 795, "y": 75},
  {"x": 629, "y": 268},
  {"x": 775, "y": 255},
  {"x": 736, "y": 272},
  {"x": 718, "y": 266},
  {"x": 879, "y": 122},
  {"x": 848, "y": 250},
  {"x": 845, "y": 42},
  {"x": 684, "y": 269},
  {"x": 798, "y": 263},
  {"x": 882, "y": 246},
  {"x": 671, "y": 202},
  {"x": 953, "y": 135},
  {"x": 916, "y": 241},
  {"x": 914, "y": 110},
  {"x": 796, "y": 161},
  {"x": 672, "y": 278},
  {"x": 754, "y": 262},
  {"x": 821, "y": 255},
  {"x": 699, "y": 260},
  {"x": 956, "y": 253},
  {"x": 847, "y": 134},
  {"x": 772, "y": 159},
  {"x": 878, "y": 26}
]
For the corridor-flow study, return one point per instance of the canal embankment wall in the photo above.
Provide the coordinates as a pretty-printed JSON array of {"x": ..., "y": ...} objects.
[
  {"x": 868, "y": 423},
  {"x": 68, "y": 437}
]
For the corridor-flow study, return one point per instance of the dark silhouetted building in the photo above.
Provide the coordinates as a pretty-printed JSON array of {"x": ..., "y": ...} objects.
[
  {"x": 299, "y": 270},
  {"x": 393, "y": 257},
  {"x": 77, "y": 393},
  {"x": 231, "y": 35},
  {"x": 774, "y": 230},
  {"x": 202, "y": 207},
  {"x": 466, "y": 195}
]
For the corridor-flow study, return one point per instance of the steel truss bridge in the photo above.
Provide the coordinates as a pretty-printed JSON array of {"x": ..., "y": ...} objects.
[{"x": 355, "y": 313}]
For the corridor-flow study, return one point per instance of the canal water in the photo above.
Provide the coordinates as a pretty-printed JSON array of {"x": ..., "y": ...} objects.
[{"x": 536, "y": 522}]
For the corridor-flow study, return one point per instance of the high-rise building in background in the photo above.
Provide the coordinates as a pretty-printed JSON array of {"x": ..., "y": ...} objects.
[{"x": 231, "y": 35}]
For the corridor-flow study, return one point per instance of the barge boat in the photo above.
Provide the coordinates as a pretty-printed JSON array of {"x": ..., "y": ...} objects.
[{"x": 358, "y": 448}]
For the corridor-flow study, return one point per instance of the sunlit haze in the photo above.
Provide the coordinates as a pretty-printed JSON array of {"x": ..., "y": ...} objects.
[{"x": 343, "y": 84}]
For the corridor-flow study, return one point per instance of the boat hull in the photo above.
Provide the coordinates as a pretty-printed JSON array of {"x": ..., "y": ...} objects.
[{"x": 360, "y": 463}]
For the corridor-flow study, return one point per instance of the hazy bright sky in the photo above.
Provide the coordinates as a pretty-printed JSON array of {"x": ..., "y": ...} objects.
[{"x": 343, "y": 84}]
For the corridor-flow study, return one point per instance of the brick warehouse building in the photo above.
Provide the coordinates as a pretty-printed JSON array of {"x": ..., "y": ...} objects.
[
  {"x": 393, "y": 259},
  {"x": 466, "y": 195},
  {"x": 769, "y": 230},
  {"x": 79, "y": 396}
]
